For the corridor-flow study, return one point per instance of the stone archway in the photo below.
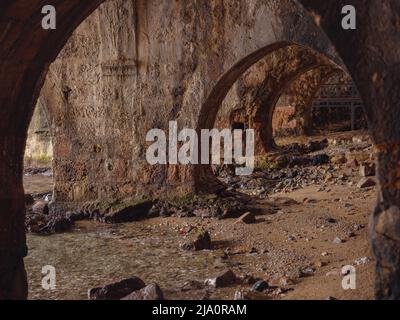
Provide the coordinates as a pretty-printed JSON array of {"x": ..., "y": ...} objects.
[
  {"x": 285, "y": 63},
  {"x": 282, "y": 66},
  {"x": 274, "y": 89}
]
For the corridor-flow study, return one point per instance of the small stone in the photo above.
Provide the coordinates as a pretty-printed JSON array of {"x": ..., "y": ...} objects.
[
  {"x": 331, "y": 220},
  {"x": 334, "y": 273},
  {"x": 367, "y": 170},
  {"x": 362, "y": 261},
  {"x": 226, "y": 279},
  {"x": 308, "y": 272},
  {"x": 285, "y": 281},
  {"x": 253, "y": 251},
  {"x": 351, "y": 234},
  {"x": 366, "y": 183},
  {"x": 309, "y": 201},
  {"x": 198, "y": 240},
  {"x": 41, "y": 207},
  {"x": 319, "y": 264},
  {"x": 328, "y": 178},
  {"x": 116, "y": 291},
  {"x": 260, "y": 286},
  {"x": 151, "y": 293},
  {"x": 337, "y": 241},
  {"x": 324, "y": 254},
  {"x": 294, "y": 273},
  {"x": 247, "y": 218}
]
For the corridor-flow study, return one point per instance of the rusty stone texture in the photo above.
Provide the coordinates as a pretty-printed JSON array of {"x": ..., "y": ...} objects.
[{"x": 115, "y": 80}]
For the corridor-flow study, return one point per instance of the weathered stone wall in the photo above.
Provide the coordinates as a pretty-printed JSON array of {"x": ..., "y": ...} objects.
[
  {"x": 283, "y": 123},
  {"x": 136, "y": 65}
]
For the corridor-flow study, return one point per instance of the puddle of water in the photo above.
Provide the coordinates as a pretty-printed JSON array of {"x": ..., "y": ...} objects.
[{"x": 95, "y": 254}]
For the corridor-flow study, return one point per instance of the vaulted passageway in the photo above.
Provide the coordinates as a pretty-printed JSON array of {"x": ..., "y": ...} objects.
[{"x": 252, "y": 89}]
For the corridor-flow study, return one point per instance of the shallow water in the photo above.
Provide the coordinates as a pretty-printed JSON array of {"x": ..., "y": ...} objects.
[{"x": 96, "y": 254}]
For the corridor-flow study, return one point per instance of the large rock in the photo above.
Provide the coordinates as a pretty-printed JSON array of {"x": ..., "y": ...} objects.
[
  {"x": 198, "y": 239},
  {"x": 35, "y": 222},
  {"x": 116, "y": 291},
  {"x": 151, "y": 292},
  {"x": 58, "y": 222},
  {"x": 40, "y": 223},
  {"x": 128, "y": 213}
]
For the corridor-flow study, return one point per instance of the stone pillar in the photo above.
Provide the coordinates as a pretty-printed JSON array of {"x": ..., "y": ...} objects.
[
  {"x": 373, "y": 61},
  {"x": 13, "y": 284}
]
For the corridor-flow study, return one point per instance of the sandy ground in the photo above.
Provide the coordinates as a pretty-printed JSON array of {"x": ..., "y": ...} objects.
[
  {"x": 285, "y": 241},
  {"x": 279, "y": 244},
  {"x": 38, "y": 184}
]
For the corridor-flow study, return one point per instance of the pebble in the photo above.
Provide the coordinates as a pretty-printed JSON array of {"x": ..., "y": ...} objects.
[
  {"x": 260, "y": 286},
  {"x": 337, "y": 241},
  {"x": 247, "y": 218},
  {"x": 366, "y": 183},
  {"x": 362, "y": 261},
  {"x": 223, "y": 280}
]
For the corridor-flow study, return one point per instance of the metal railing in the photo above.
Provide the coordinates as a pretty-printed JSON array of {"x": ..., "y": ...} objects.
[{"x": 339, "y": 96}]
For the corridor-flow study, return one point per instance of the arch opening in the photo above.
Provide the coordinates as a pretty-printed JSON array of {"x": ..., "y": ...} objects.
[
  {"x": 38, "y": 163},
  {"x": 251, "y": 100},
  {"x": 319, "y": 102}
]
